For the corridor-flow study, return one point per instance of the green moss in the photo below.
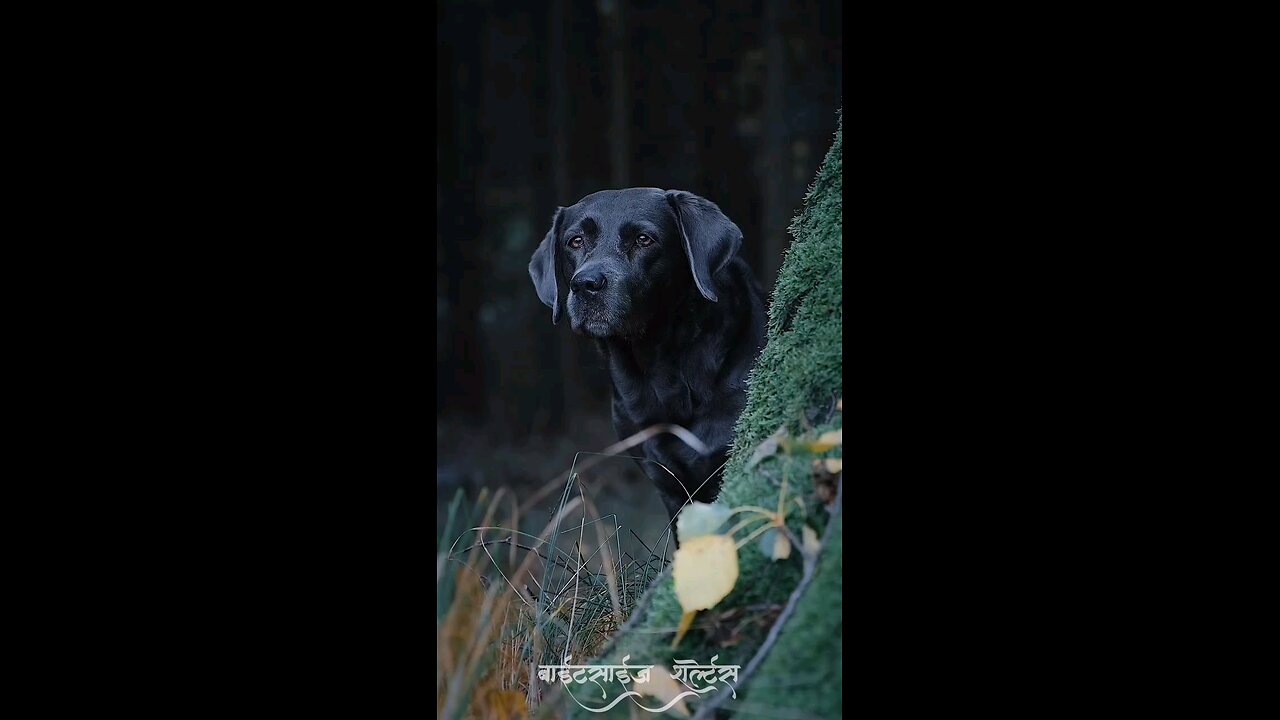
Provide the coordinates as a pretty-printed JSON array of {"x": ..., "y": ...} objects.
[
  {"x": 799, "y": 371},
  {"x": 795, "y": 383},
  {"x": 802, "y": 672}
]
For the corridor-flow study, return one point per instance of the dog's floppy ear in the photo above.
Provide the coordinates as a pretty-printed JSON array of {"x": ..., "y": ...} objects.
[
  {"x": 710, "y": 238},
  {"x": 542, "y": 268}
]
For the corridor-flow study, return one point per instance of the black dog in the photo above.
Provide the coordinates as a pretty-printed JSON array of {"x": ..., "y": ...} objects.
[{"x": 654, "y": 277}]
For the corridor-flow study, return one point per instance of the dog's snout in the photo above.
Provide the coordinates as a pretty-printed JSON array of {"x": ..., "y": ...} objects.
[{"x": 590, "y": 282}]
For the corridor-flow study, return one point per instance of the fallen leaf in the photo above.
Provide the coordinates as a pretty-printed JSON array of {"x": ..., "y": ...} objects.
[
  {"x": 706, "y": 569},
  {"x": 697, "y": 519},
  {"x": 811, "y": 542},
  {"x": 665, "y": 688},
  {"x": 775, "y": 545},
  {"x": 825, "y": 441}
]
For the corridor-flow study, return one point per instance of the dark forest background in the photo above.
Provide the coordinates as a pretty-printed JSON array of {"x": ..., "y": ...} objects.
[{"x": 541, "y": 103}]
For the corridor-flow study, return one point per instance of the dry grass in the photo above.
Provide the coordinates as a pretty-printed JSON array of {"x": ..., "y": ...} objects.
[{"x": 508, "y": 601}]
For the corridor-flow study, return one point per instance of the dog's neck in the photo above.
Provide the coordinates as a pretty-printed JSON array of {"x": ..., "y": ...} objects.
[
  {"x": 658, "y": 346},
  {"x": 657, "y": 367}
]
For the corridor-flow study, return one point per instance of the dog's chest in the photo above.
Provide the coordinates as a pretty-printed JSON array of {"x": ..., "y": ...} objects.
[
  {"x": 662, "y": 389},
  {"x": 664, "y": 396}
]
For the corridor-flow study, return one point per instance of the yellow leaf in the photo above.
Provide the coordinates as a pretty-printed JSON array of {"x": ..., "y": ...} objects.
[
  {"x": 664, "y": 687},
  {"x": 706, "y": 569},
  {"x": 833, "y": 465},
  {"x": 826, "y": 441},
  {"x": 685, "y": 621},
  {"x": 811, "y": 543},
  {"x": 781, "y": 547}
]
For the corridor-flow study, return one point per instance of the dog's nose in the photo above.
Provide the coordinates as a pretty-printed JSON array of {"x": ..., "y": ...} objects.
[{"x": 591, "y": 282}]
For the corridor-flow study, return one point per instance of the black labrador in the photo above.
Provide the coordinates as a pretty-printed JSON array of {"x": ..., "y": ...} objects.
[{"x": 655, "y": 278}]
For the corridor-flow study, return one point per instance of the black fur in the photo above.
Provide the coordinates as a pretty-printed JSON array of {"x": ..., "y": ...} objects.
[{"x": 680, "y": 322}]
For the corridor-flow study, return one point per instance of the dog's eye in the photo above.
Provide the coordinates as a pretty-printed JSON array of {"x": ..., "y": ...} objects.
[
  {"x": 644, "y": 240},
  {"x": 575, "y": 242}
]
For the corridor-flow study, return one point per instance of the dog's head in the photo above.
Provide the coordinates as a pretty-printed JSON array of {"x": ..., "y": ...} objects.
[{"x": 621, "y": 256}]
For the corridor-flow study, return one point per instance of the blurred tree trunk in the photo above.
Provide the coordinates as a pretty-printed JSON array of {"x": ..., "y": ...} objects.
[
  {"x": 572, "y": 394},
  {"x": 547, "y": 392},
  {"x": 615, "y": 18},
  {"x": 462, "y": 259},
  {"x": 777, "y": 165}
]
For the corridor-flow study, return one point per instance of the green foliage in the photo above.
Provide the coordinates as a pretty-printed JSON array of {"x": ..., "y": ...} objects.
[{"x": 796, "y": 383}]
